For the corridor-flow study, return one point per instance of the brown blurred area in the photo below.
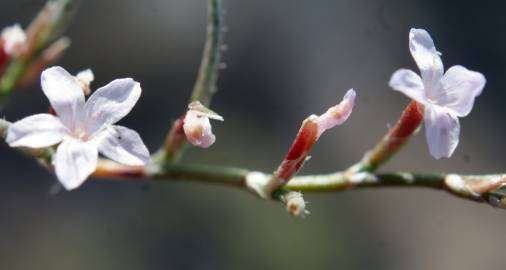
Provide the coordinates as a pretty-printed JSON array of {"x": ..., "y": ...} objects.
[{"x": 285, "y": 60}]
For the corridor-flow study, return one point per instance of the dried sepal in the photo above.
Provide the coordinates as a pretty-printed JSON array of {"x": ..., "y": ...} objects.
[{"x": 295, "y": 204}]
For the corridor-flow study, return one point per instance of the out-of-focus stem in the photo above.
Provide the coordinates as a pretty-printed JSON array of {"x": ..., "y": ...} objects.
[
  {"x": 397, "y": 136},
  {"x": 205, "y": 85},
  {"x": 41, "y": 33}
]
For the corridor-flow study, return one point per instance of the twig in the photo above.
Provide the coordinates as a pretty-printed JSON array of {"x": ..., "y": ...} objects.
[
  {"x": 205, "y": 85},
  {"x": 480, "y": 188}
]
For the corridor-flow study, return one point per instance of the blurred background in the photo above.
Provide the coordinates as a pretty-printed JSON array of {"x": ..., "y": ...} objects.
[{"x": 285, "y": 60}]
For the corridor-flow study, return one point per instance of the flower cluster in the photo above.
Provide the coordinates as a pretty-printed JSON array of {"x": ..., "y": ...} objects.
[{"x": 81, "y": 129}]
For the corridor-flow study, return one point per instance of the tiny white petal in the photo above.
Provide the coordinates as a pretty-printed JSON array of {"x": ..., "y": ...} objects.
[
  {"x": 64, "y": 94},
  {"x": 36, "y": 131},
  {"x": 409, "y": 83},
  {"x": 426, "y": 56},
  {"x": 13, "y": 38},
  {"x": 85, "y": 78},
  {"x": 202, "y": 110},
  {"x": 442, "y": 130},
  {"x": 198, "y": 130},
  {"x": 110, "y": 103},
  {"x": 74, "y": 161},
  {"x": 123, "y": 145},
  {"x": 458, "y": 89},
  {"x": 337, "y": 114}
]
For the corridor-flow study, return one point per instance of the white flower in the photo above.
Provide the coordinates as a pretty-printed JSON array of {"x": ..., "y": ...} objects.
[
  {"x": 197, "y": 126},
  {"x": 83, "y": 128},
  {"x": 444, "y": 96},
  {"x": 13, "y": 37}
]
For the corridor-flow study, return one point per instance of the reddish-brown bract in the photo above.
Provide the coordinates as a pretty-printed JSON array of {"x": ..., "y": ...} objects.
[
  {"x": 410, "y": 119},
  {"x": 4, "y": 58},
  {"x": 175, "y": 139},
  {"x": 406, "y": 126},
  {"x": 306, "y": 138}
]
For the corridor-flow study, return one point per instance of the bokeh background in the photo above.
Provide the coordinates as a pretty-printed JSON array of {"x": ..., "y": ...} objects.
[{"x": 285, "y": 60}]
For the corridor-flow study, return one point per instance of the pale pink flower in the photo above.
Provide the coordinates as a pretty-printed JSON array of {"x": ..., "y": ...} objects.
[
  {"x": 82, "y": 129},
  {"x": 445, "y": 97}
]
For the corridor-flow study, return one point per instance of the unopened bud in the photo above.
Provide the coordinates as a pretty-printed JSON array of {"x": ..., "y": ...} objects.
[
  {"x": 13, "y": 39},
  {"x": 309, "y": 133},
  {"x": 197, "y": 126}
]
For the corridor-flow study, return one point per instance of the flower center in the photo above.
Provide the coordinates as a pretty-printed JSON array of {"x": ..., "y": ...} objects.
[{"x": 80, "y": 133}]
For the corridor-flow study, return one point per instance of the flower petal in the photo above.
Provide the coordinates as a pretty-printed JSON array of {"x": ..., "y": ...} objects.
[
  {"x": 123, "y": 145},
  {"x": 64, "y": 94},
  {"x": 36, "y": 131},
  {"x": 442, "y": 130},
  {"x": 74, "y": 161},
  {"x": 426, "y": 57},
  {"x": 110, "y": 103},
  {"x": 409, "y": 83},
  {"x": 458, "y": 89},
  {"x": 198, "y": 130},
  {"x": 337, "y": 114},
  {"x": 85, "y": 78}
]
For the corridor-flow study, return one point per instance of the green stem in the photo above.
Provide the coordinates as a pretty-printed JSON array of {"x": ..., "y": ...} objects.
[
  {"x": 205, "y": 85},
  {"x": 310, "y": 183},
  {"x": 485, "y": 188}
]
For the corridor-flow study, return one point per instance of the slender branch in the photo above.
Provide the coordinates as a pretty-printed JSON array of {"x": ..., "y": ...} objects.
[
  {"x": 395, "y": 139},
  {"x": 205, "y": 85},
  {"x": 481, "y": 188}
]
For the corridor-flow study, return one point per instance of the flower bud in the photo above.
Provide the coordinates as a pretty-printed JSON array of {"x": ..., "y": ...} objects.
[
  {"x": 311, "y": 129},
  {"x": 197, "y": 126},
  {"x": 13, "y": 39}
]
